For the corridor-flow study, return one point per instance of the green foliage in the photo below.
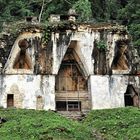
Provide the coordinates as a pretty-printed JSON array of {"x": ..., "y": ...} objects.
[
  {"x": 126, "y": 12},
  {"x": 105, "y": 10},
  {"x": 101, "y": 44},
  {"x": 14, "y": 10},
  {"x": 129, "y": 15},
  {"x": 112, "y": 124},
  {"x": 116, "y": 124},
  {"x": 112, "y": 7},
  {"x": 40, "y": 125},
  {"x": 83, "y": 8},
  {"x": 134, "y": 29},
  {"x": 46, "y": 36},
  {"x": 58, "y": 26}
]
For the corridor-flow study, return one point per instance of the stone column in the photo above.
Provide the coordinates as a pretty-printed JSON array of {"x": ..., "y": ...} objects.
[
  {"x": 1, "y": 83},
  {"x": 117, "y": 87},
  {"x": 99, "y": 89},
  {"x": 48, "y": 86}
]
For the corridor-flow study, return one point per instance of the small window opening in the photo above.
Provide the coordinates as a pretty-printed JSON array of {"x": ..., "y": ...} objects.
[
  {"x": 39, "y": 103},
  {"x": 68, "y": 105},
  {"x": 61, "y": 105},
  {"x": 74, "y": 106}
]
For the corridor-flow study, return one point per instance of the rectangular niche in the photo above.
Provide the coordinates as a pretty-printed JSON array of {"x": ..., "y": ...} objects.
[
  {"x": 68, "y": 105},
  {"x": 10, "y": 100}
]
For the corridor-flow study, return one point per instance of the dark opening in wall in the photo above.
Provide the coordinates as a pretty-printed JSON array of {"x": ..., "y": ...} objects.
[
  {"x": 10, "y": 100},
  {"x": 128, "y": 96},
  {"x": 128, "y": 100},
  {"x": 74, "y": 106},
  {"x": 68, "y": 105},
  {"x": 99, "y": 57},
  {"x": 131, "y": 96},
  {"x": 61, "y": 105}
]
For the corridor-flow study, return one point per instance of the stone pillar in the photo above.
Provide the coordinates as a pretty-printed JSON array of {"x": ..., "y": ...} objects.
[
  {"x": 108, "y": 91},
  {"x": 99, "y": 90},
  {"x": 48, "y": 86},
  {"x": 117, "y": 87},
  {"x": 1, "y": 83}
]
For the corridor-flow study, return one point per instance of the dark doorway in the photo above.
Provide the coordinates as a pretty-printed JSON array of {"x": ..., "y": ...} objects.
[
  {"x": 128, "y": 100},
  {"x": 10, "y": 100},
  {"x": 129, "y": 96}
]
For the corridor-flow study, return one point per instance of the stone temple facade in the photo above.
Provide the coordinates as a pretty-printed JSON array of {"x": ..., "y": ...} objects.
[{"x": 77, "y": 67}]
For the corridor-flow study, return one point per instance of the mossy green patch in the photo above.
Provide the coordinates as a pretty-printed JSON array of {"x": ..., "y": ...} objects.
[
  {"x": 40, "y": 125},
  {"x": 116, "y": 124},
  {"x": 109, "y": 124}
]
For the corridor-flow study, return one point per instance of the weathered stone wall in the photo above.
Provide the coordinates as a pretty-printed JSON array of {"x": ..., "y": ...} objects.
[
  {"x": 80, "y": 42},
  {"x": 8, "y": 69},
  {"x": 1, "y": 81},
  {"x": 108, "y": 91},
  {"x": 82, "y": 96},
  {"x": 26, "y": 89},
  {"x": 34, "y": 88}
]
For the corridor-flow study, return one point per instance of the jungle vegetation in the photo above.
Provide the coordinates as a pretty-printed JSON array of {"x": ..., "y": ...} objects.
[{"x": 126, "y": 12}]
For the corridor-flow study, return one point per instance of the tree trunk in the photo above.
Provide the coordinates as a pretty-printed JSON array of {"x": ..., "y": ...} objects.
[{"x": 42, "y": 7}]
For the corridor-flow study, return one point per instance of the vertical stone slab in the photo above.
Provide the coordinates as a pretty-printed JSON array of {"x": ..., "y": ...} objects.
[
  {"x": 39, "y": 103},
  {"x": 117, "y": 87},
  {"x": 13, "y": 85},
  {"x": 100, "y": 92},
  {"x": 108, "y": 92},
  {"x": 1, "y": 83},
  {"x": 48, "y": 86},
  {"x": 60, "y": 44}
]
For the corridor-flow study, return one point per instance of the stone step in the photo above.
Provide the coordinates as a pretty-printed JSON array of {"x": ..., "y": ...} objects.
[{"x": 76, "y": 115}]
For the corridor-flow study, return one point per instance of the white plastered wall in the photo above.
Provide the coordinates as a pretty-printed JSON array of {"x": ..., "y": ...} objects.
[
  {"x": 108, "y": 92},
  {"x": 29, "y": 87}
]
